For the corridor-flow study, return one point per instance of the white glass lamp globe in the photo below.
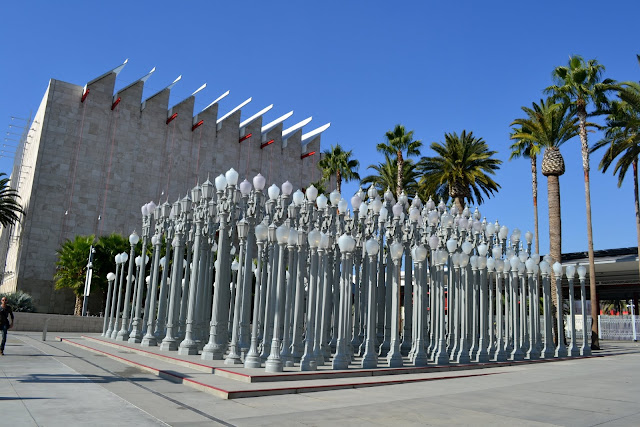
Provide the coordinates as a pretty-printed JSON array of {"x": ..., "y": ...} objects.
[
  {"x": 282, "y": 234},
  {"x": 467, "y": 247},
  {"x": 434, "y": 241},
  {"x": 362, "y": 211},
  {"x": 245, "y": 188},
  {"x": 372, "y": 246},
  {"x": 314, "y": 238},
  {"x": 523, "y": 256},
  {"x": 491, "y": 263},
  {"x": 220, "y": 182},
  {"x": 396, "y": 250},
  {"x": 473, "y": 260},
  {"x": 483, "y": 249},
  {"x": 419, "y": 253},
  {"x": 496, "y": 252},
  {"x": 557, "y": 269},
  {"x": 321, "y": 200},
  {"x": 514, "y": 261},
  {"x": 144, "y": 210},
  {"x": 134, "y": 238},
  {"x": 293, "y": 236},
  {"x": 124, "y": 257},
  {"x": 162, "y": 262},
  {"x": 155, "y": 240},
  {"x": 521, "y": 267},
  {"x": 397, "y": 209},
  {"x": 137, "y": 261},
  {"x": 464, "y": 260},
  {"x": 273, "y": 191},
  {"x": 235, "y": 265},
  {"x": 482, "y": 262},
  {"x": 582, "y": 272},
  {"x": 118, "y": 259},
  {"x": 529, "y": 264},
  {"x": 376, "y": 205},
  {"x": 311, "y": 193},
  {"x": 544, "y": 267},
  {"x": 261, "y": 232},
  {"x": 431, "y": 205},
  {"x": 503, "y": 233},
  {"x": 463, "y": 223},
  {"x": 324, "y": 240},
  {"x": 499, "y": 265},
  {"x": 372, "y": 192},
  {"x": 490, "y": 230},
  {"x": 258, "y": 182},
  {"x": 287, "y": 188},
  {"x": 570, "y": 271},
  {"x": 452, "y": 245},
  {"x": 356, "y": 201},
  {"x": 342, "y": 206},
  {"x": 528, "y": 236},
  {"x": 334, "y": 197},
  {"x": 298, "y": 198},
  {"x": 535, "y": 258},
  {"x": 433, "y": 218},
  {"x": 383, "y": 214},
  {"x": 111, "y": 277},
  {"x": 231, "y": 176}
]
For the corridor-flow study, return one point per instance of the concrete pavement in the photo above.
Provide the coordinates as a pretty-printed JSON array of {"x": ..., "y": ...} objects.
[{"x": 50, "y": 383}]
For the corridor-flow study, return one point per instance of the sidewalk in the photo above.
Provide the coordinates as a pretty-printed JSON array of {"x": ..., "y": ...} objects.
[{"x": 53, "y": 383}]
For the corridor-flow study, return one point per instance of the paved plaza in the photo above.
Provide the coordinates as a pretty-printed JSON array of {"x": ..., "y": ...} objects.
[{"x": 52, "y": 383}]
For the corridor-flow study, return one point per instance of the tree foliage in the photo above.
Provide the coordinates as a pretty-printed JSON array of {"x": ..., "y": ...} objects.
[{"x": 10, "y": 209}]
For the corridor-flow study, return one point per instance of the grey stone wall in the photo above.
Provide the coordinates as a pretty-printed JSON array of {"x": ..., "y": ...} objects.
[
  {"x": 56, "y": 323},
  {"x": 93, "y": 166}
]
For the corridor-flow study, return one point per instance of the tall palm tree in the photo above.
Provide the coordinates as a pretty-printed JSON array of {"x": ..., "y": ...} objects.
[
  {"x": 461, "y": 170},
  {"x": 579, "y": 84},
  {"x": 399, "y": 142},
  {"x": 10, "y": 209},
  {"x": 622, "y": 141},
  {"x": 386, "y": 175},
  {"x": 336, "y": 161}
]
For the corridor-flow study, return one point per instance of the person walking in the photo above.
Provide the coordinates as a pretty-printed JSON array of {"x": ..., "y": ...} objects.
[{"x": 5, "y": 312}]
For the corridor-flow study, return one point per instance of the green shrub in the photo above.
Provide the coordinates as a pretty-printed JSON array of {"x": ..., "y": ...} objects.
[{"x": 19, "y": 301}]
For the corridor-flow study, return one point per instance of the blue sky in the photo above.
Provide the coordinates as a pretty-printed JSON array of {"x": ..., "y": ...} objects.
[{"x": 435, "y": 67}]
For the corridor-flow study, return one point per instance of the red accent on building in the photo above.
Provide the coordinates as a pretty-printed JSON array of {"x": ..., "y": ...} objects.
[
  {"x": 244, "y": 138},
  {"x": 173, "y": 116},
  {"x": 84, "y": 95},
  {"x": 197, "y": 125},
  {"x": 266, "y": 143},
  {"x": 115, "y": 104},
  {"x": 310, "y": 153}
]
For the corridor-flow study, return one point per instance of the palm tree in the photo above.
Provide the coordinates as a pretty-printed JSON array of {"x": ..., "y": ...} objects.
[
  {"x": 578, "y": 84},
  {"x": 461, "y": 169},
  {"x": 622, "y": 141},
  {"x": 71, "y": 267},
  {"x": 399, "y": 142},
  {"x": 386, "y": 175},
  {"x": 10, "y": 209},
  {"x": 336, "y": 161}
]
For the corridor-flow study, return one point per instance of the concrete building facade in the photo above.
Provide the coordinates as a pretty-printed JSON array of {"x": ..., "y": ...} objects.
[{"x": 91, "y": 158}]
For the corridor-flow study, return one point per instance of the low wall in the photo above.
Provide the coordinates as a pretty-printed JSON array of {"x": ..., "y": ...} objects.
[{"x": 57, "y": 323}]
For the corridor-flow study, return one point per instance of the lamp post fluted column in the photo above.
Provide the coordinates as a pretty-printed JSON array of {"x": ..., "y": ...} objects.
[
  {"x": 136, "y": 327},
  {"x": 123, "y": 333},
  {"x": 561, "y": 348},
  {"x": 253, "y": 357},
  {"x": 274, "y": 362}
]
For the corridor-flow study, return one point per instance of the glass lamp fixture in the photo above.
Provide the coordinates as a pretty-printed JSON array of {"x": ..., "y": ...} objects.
[
  {"x": 452, "y": 245},
  {"x": 258, "y": 182},
  {"x": 287, "y": 188},
  {"x": 482, "y": 249},
  {"x": 503, "y": 233},
  {"x": 243, "y": 228},
  {"x": 125, "y": 256},
  {"x": 376, "y": 205},
  {"x": 467, "y": 247},
  {"x": 544, "y": 267},
  {"x": 162, "y": 262},
  {"x": 185, "y": 204},
  {"x": 529, "y": 264},
  {"x": 273, "y": 191},
  {"x": 151, "y": 207},
  {"x": 231, "y": 176},
  {"x": 403, "y": 199},
  {"x": 362, "y": 211},
  {"x": 431, "y": 205},
  {"x": 245, "y": 188},
  {"x": 397, "y": 209},
  {"x": 548, "y": 258},
  {"x": 372, "y": 192},
  {"x": 118, "y": 259},
  {"x": 463, "y": 223},
  {"x": 144, "y": 210},
  {"x": 528, "y": 236},
  {"x": 293, "y": 236},
  {"x": 482, "y": 262},
  {"x": 473, "y": 260},
  {"x": 396, "y": 250},
  {"x": 137, "y": 260},
  {"x": 154, "y": 240},
  {"x": 434, "y": 241},
  {"x": 466, "y": 212},
  {"x": 433, "y": 218},
  {"x": 477, "y": 226},
  {"x": 111, "y": 277},
  {"x": 324, "y": 240},
  {"x": 334, "y": 197},
  {"x": 570, "y": 271},
  {"x": 491, "y": 264},
  {"x": 419, "y": 253},
  {"x": 321, "y": 200},
  {"x": 388, "y": 195},
  {"x": 455, "y": 258},
  {"x": 383, "y": 214},
  {"x": 221, "y": 182},
  {"x": 523, "y": 256},
  {"x": 356, "y": 201},
  {"x": 582, "y": 272},
  {"x": 314, "y": 238},
  {"x": 134, "y": 238},
  {"x": 282, "y": 234},
  {"x": 311, "y": 193},
  {"x": 496, "y": 252},
  {"x": 514, "y": 261},
  {"x": 464, "y": 260},
  {"x": 476, "y": 214},
  {"x": 557, "y": 269},
  {"x": 490, "y": 230},
  {"x": 499, "y": 265},
  {"x": 298, "y": 197},
  {"x": 521, "y": 267},
  {"x": 342, "y": 206},
  {"x": 235, "y": 265},
  {"x": 371, "y": 246},
  {"x": 261, "y": 232},
  {"x": 414, "y": 214},
  {"x": 196, "y": 192}
]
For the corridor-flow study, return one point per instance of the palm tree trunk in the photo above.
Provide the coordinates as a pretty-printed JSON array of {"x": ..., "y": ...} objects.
[
  {"x": 399, "y": 179},
  {"x": 637, "y": 204},
  {"x": 459, "y": 203},
  {"x": 534, "y": 185},
  {"x": 595, "y": 341},
  {"x": 338, "y": 181},
  {"x": 555, "y": 241},
  {"x": 77, "y": 311}
]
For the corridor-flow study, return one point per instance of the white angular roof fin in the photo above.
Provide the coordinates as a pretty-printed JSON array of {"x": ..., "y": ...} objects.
[
  {"x": 255, "y": 116},
  {"x": 114, "y": 70},
  {"x": 288, "y": 132},
  {"x": 174, "y": 82},
  {"x": 266, "y": 128},
  {"x": 307, "y": 137},
  {"x": 217, "y": 100},
  {"x": 234, "y": 110},
  {"x": 199, "y": 89}
]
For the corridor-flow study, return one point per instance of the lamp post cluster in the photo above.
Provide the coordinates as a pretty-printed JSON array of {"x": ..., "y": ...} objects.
[{"x": 287, "y": 279}]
